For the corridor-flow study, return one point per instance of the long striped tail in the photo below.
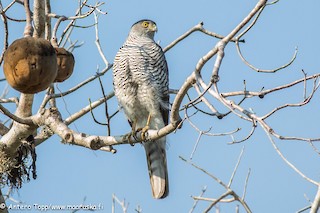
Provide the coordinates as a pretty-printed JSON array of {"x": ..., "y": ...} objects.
[{"x": 157, "y": 167}]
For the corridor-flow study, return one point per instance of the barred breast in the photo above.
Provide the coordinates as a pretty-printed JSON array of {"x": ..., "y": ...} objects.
[{"x": 141, "y": 76}]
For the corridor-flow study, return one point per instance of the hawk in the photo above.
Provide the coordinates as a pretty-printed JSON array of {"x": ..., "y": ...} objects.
[{"x": 141, "y": 85}]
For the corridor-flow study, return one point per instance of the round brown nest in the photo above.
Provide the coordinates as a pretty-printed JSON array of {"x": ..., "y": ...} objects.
[
  {"x": 30, "y": 64},
  {"x": 65, "y": 62}
]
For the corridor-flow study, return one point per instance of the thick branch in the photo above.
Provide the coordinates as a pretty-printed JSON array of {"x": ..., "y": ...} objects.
[
  {"x": 28, "y": 30},
  {"x": 39, "y": 18},
  {"x": 52, "y": 119},
  {"x": 19, "y": 131},
  {"x": 316, "y": 202}
]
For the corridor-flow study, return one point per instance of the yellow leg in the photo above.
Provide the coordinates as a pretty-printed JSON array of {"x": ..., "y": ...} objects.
[
  {"x": 146, "y": 128},
  {"x": 134, "y": 131}
]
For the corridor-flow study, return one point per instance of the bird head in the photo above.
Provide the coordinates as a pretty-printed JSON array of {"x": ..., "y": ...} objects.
[{"x": 145, "y": 28}]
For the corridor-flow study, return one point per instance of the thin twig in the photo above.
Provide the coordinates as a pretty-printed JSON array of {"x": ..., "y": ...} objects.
[
  {"x": 204, "y": 171},
  {"x": 206, "y": 102},
  {"x": 198, "y": 27},
  {"x": 20, "y": 120},
  {"x": 70, "y": 25},
  {"x": 106, "y": 111},
  {"x": 6, "y": 32},
  {"x": 236, "y": 167},
  {"x": 227, "y": 193},
  {"x": 245, "y": 185},
  {"x": 304, "y": 102},
  {"x": 203, "y": 190},
  {"x": 73, "y": 89},
  {"x": 262, "y": 93},
  {"x": 304, "y": 209},
  {"x": 207, "y": 132},
  {"x": 251, "y": 25},
  {"x": 265, "y": 70},
  {"x": 247, "y": 137},
  {"x": 196, "y": 145},
  {"x": 304, "y": 84},
  {"x": 97, "y": 41},
  {"x": 92, "y": 115},
  {"x": 287, "y": 161}
]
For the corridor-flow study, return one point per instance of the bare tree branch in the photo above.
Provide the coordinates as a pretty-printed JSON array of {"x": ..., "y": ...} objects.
[
  {"x": 236, "y": 167},
  {"x": 196, "y": 201},
  {"x": 228, "y": 192},
  {"x": 6, "y": 31},
  {"x": 51, "y": 122},
  {"x": 261, "y": 94},
  {"x": 264, "y": 70},
  {"x": 198, "y": 27},
  {"x": 287, "y": 161},
  {"x": 39, "y": 18},
  {"x": 12, "y": 139},
  {"x": 14, "y": 117},
  {"x": 316, "y": 202},
  {"x": 97, "y": 41}
]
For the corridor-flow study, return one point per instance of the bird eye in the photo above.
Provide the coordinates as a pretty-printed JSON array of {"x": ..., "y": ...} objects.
[{"x": 145, "y": 24}]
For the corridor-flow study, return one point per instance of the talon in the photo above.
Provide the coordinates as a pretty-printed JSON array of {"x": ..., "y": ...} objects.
[
  {"x": 144, "y": 130},
  {"x": 128, "y": 138},
  {"x": 133, "y": 133}
]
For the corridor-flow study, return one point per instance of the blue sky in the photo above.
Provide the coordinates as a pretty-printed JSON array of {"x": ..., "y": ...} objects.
[{"x": 68, "y": 174}]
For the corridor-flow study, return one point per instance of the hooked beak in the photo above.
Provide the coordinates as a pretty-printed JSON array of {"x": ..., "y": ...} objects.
[{"x": 154, "y": 28}]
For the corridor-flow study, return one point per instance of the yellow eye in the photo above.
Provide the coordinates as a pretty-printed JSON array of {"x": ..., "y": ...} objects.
[{"x": 145, "y": 24}]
